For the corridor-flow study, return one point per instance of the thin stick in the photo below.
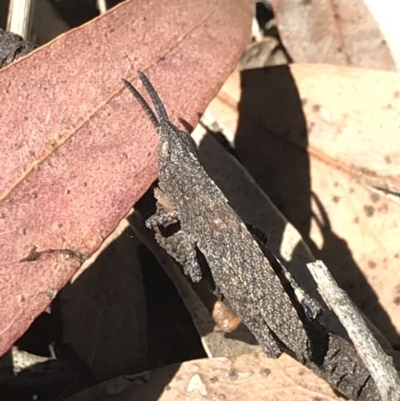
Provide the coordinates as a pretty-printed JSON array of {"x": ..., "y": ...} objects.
[
  {"x": 377, "y": 362},
  {"x": 20, "y": 17},
  {"x": 102, "y": 6}
]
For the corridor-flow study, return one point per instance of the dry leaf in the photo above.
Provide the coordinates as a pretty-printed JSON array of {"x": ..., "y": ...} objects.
[
  {"x": 77, "y": 151},
  {"x": 247, "y": 377},
  {"x": 336, "y": 32},
  {"x": 354, "y": 229},
  {"x": 359, "y": 134}
]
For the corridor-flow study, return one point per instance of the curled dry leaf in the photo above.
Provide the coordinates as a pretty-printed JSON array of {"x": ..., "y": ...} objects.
[
  {"x": 76, "y": 151},
  {"x": 336, "y": 32}
]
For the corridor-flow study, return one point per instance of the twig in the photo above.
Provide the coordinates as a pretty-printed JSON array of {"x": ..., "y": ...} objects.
[
  {"x": 377, "y": 362},
  {"x": 20, "y": 17},
  {"x": 102, "y": 6}
]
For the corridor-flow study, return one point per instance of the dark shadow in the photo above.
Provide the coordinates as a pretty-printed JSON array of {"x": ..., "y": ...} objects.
[
  {"x": 171, "y": 334},
  {"x": 137, "y": 304},
  {"x": 121, "y": 316},
  {"x": 271, "y": 143},
  {"x": 78, "y": 12},
  {"x": 4, "y": 7}
]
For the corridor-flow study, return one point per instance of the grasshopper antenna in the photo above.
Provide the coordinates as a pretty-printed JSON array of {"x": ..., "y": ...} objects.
[
  {"x": 145, "y": 106},
  {"x": 158, "y": 104}
]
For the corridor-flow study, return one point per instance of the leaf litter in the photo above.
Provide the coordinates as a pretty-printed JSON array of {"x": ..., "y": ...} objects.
[{"x": 323, "y": 221}]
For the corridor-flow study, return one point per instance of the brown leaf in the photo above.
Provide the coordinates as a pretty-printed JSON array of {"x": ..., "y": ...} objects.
[
  {"x": 247, "y": 377},
  {"x": 77, "y": 151},
  {"x": 335, "y": 31}
]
